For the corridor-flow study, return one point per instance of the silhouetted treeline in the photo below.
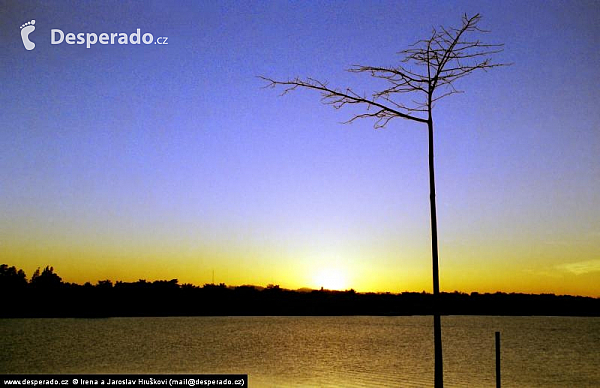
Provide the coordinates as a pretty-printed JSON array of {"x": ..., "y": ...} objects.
[{"x": 46, "y": 295}]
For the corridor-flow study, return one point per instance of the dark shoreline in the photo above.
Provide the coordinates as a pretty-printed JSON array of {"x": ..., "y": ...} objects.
[
  {"x": 46, "y": 295},
  {"x": 170, "y": 299}
]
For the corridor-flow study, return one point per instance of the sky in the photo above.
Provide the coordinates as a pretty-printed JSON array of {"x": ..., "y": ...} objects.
[{"x": 162, "y": 161}]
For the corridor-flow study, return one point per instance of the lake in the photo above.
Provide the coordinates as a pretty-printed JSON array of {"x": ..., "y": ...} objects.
[{"x": 357, "y": 351}]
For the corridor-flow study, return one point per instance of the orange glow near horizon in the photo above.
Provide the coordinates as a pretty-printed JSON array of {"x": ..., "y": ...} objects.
[
  {"x": 331, "y": 279},
  {"x": 234, "y": 267}
]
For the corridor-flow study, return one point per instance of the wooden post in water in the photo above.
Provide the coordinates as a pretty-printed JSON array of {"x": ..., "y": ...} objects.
[{"x": 497, "y": 359}]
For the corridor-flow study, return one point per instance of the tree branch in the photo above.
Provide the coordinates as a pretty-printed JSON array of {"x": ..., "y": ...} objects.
[
  {"x": 446, "y": 55},
  {"x": 338, "y": 99}
]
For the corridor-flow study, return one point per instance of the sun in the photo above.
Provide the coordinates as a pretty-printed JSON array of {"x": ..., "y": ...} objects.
[{"x": 330, "y": 279}]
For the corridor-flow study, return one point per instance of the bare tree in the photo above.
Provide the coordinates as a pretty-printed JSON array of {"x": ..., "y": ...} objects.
[{"x": 425, "y": 75}]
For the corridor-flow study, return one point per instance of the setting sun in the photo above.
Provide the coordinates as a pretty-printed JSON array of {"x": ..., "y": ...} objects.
[{"x": 331, "y": 279}]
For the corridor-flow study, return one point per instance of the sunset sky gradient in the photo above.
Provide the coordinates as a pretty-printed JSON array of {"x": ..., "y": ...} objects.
[{"x": 129, "y": 162}]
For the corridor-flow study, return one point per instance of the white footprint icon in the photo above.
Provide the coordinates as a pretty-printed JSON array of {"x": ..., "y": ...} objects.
[{"x": 27, "y": 29}]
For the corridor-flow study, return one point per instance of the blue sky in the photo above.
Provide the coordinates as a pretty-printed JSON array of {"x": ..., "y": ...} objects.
[{"x": 152, "y": 161}]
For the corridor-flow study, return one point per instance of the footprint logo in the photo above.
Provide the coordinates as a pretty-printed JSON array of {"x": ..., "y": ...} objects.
[{"x": 27, "y": 29}]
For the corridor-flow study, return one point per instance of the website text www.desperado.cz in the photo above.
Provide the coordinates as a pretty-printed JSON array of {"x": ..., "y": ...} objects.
[{"x": 57, "y": 36}]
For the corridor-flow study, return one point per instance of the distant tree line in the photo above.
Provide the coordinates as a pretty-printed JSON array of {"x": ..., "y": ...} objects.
[{"x": 46, "y": 295}]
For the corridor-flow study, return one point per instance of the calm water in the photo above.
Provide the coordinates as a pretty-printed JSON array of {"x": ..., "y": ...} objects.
[{"x": 313, "y": 351}]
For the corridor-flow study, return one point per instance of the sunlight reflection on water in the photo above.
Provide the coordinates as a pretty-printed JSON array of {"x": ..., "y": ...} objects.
[{"x": 312, "y": 351}]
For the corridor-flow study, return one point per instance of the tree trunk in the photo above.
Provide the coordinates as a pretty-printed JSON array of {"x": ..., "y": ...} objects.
[{"x": 437, "y": 324}]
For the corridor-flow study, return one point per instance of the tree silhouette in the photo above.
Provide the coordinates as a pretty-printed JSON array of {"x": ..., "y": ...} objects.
[
  {"x": 10, "y": 277},
  {"x": 47, "y": 279},
  {"x": 426, "y": 73},
  {"x": 168, "y": 298}
]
